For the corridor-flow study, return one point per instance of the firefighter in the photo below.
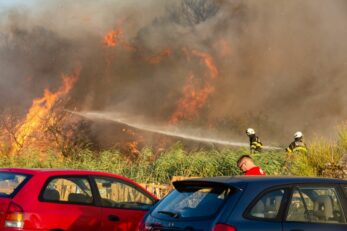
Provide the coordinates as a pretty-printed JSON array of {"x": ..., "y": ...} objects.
[
  {"x": 254, "y": 141},
  {"x": 298, "y": 144}
]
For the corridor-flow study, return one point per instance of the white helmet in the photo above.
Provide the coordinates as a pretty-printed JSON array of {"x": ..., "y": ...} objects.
[
  {"x": 298, "y": 135},
  {"x": 250, "y": 131}
]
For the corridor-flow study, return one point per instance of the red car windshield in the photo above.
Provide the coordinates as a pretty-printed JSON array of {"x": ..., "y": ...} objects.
[{"x": 11, "y": 182}]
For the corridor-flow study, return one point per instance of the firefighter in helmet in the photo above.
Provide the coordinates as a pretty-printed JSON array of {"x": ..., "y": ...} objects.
[
  {"x": 298, "y": 144},
  {"x": 254, "y": 141}
]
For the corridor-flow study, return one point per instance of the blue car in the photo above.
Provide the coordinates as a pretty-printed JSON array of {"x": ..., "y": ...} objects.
[{"x": 247, "y": 203}]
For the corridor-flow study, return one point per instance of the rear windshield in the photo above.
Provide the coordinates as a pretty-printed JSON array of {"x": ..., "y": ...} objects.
[
  {"x": 193, "y": 201},
  {"x": 10, "y": 183}
]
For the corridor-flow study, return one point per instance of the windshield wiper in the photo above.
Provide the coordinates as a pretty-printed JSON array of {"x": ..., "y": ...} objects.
[{"x": 170, "y": 214}]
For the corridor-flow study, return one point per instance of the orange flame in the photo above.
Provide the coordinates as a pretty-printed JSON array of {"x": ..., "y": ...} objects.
[
  {"x": 112, "y": 38},
  {"x": 156, "y": 59},
  {"x": 132, "y": 146},
  {"x": 39, "y": 110},
  {"x": 192, "y": 100},
  {"x": 208, "y": 61},
  {"x": 115, "y": 38},
  {"x": 194, "y": 96}
]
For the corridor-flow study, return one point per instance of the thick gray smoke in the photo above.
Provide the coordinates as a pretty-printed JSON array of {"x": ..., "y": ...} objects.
[{"x": 281, "y": 64}]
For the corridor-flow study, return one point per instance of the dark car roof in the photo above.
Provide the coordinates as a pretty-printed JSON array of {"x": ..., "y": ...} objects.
[{"x": 238, "y": 181}]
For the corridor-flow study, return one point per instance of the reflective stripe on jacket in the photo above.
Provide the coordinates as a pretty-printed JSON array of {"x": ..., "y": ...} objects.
[
  {"x": 297, "y": 146},
  {"x": 255, "y": 143}
]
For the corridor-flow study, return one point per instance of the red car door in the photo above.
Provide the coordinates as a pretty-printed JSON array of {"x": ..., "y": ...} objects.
[
  {"x": 123, "y": 204},
  {"x": 67, "y": 203},
  {"x": 114, "y": 219}
]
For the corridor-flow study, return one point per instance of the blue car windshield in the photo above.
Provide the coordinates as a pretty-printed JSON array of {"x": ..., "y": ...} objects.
[{"x": 193, "y": 201}]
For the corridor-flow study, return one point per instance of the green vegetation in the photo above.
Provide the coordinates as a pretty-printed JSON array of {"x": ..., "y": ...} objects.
[
  {"x": 322, "y": 155},
  {"x": 175, "y": 161}
]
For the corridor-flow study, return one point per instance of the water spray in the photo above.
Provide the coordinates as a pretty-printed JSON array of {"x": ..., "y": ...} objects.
[{"x": 163, "y": 130}]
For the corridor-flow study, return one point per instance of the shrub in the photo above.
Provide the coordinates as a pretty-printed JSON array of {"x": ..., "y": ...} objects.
[{"x": 320, "y": 154}]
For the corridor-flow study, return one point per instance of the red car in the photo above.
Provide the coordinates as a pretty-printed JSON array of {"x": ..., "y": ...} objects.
[{"x": 74, "y": 200}]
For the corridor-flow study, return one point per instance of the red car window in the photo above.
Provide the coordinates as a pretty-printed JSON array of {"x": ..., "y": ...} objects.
[
  {"x": 118, "y": 194},
  {"x": 10, "y": 182},
  {"x": 68, "y": 189}
]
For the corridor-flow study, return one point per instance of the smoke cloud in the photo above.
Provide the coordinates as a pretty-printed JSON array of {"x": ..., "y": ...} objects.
[{"x": 281, "y": 65}]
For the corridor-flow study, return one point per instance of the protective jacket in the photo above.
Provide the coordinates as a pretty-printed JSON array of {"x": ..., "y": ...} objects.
[
  {"x": 255, "y": 143},
  {"x": 297, "y": 146}
]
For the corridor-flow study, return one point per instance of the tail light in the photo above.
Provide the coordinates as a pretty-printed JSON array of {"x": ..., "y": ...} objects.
[
  {"x": 142, "y": 226},
  {"x": 149, "y": 227},
  {"x": 14, "y": 217},
  {"x": 224, "y": 227}
]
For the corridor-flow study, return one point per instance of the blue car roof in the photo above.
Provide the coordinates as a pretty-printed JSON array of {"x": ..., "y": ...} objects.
[{"x": 239, "y": 181}]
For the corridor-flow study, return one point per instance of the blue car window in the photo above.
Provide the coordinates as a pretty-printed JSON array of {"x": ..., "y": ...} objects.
[
  {"x": 268, "y": 205},
  {"x": 315, "y": 205},
  {"x": 299, "y": 206}
]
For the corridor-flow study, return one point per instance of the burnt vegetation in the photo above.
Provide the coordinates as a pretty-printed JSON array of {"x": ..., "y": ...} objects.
[{"x": 192, "y": 12}]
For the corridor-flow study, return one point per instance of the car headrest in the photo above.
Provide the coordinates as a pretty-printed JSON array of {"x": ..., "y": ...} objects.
[
  {"x": 79, "y": 198},
  {"x": 51, "y": 195},
  {"x": 273, "y": 203},
  {"x": 259, "y": 207},
  {"x": 323, "y": 207}
]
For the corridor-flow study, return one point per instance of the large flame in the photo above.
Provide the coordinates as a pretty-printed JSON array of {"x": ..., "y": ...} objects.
[
  {"x": 39, "y": 111},
  {"x": 194, "y": 92},
  {"x": 192, "y": 99}
]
